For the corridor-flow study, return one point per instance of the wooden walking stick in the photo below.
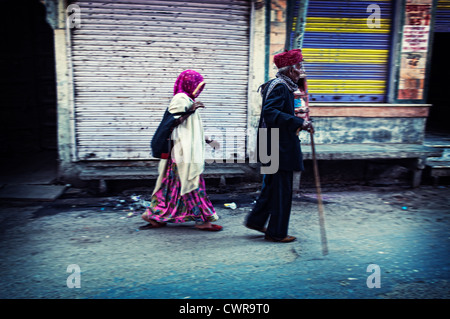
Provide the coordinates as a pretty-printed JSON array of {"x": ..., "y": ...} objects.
[{"x": 323, "y": 235}]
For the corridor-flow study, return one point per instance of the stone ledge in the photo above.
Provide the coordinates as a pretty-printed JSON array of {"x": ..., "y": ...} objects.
[
  {"x": 373, "y": 110},
  {"x": 136, "y": 173},
  {"x": 356, "y": 104},
  {"x": 369, "y": 151}
]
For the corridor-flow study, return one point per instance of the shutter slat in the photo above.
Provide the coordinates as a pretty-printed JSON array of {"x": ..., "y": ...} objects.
[
  {"x": 345, "y": 59},
  {"x": 126, "y": 56}
]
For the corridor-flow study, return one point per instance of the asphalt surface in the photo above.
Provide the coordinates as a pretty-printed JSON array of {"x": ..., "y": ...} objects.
[{"x": 405, "y": 232}]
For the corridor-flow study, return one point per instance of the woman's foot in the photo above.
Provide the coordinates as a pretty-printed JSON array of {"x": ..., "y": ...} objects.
[
  {"x": 152, "y": 223},
  {"x": 209, "y": 227}
]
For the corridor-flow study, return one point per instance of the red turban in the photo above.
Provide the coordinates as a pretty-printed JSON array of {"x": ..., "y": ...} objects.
[{"x": 287, "y": 58}]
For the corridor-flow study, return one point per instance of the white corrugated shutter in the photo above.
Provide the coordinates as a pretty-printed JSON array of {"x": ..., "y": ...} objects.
[{"x": 126, "y": 56}]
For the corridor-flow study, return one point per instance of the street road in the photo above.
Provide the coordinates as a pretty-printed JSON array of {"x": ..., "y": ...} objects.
[{"x": 403, "y": 232}]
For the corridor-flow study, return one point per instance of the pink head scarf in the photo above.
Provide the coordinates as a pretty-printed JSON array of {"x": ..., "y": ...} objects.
[{"x": 187, "y": 82}]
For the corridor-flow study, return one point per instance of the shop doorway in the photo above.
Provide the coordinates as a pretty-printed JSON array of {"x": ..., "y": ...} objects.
[
  {"x": 438, "y": 96},
  {"x": 28, "y": 129}
]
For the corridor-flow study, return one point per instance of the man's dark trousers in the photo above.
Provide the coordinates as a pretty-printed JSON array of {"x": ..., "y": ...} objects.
[{"x": 275, "y": 201}]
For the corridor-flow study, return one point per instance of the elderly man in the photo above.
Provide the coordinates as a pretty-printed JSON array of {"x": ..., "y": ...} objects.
[{"x": 275, "y": 200}]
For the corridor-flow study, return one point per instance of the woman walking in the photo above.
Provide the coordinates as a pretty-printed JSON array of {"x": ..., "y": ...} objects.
[{"x": 179, "y": 195}]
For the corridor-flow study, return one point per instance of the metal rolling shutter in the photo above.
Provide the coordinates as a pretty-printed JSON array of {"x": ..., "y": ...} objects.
[
  {"x": 346, "y": 61},
  {"x": 126, "y": 56},
  {"x": 442, "y": 16}
]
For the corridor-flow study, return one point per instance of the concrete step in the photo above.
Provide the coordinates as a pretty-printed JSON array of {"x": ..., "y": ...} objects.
[
  {"x": 445, "y": 157},
  {"x": 439, "y": 166},
  {"x": 437, "y": 140},
  {"x": 32, "y": 192}
]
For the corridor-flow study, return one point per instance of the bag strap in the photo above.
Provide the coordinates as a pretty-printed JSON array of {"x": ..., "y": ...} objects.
[
  {"x": 270, "y": 86},
  {"x": 181, "y": 113},
  {"x": 178, "y": 121}
]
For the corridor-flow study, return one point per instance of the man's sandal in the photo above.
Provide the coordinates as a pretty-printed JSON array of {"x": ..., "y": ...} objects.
[
  {"x": 260, "y": 229},
  {"x": 286, "y": 239}
]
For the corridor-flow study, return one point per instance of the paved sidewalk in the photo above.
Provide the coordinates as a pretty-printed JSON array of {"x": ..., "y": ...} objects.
[{"x": 403, "y": 231}]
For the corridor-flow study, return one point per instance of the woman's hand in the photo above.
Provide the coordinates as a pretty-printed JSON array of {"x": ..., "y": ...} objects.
[
  {"x": 214, "y": 144},
  {"x": 197, "y": 105}
]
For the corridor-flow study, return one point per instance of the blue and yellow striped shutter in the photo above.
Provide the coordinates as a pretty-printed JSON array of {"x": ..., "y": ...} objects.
[
  {"x": 346, "y": 61},
  {"x": 442, "y": 18}
]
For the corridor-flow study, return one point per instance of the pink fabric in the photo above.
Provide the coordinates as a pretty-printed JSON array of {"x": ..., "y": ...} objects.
[
  {"x": 167, "y": 204},
  {"x": 187, "y": 82}
]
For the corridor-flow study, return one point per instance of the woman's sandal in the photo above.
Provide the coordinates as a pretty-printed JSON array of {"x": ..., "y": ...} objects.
[
  {"x": 150, "y": 226},
  {"x": 212, "y": 228}
]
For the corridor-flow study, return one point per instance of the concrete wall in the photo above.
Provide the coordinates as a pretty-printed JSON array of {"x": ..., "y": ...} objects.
[
  {"x": 256, "y": 70},
  {"x": 344, "y": 130},
  {"x": 56, "y": 17}
]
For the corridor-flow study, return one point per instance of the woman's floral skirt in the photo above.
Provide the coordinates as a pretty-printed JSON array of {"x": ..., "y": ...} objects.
[{"x": 167, "y": 205}]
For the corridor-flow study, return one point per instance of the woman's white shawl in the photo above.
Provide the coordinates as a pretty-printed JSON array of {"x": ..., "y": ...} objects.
[{"x": 188, "y": 150}]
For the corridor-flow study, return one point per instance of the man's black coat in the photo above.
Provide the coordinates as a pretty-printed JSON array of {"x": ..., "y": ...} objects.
[{"x": 278, "y": 112}]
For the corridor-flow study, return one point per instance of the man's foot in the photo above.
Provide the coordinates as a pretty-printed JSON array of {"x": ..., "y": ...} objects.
[
  {"x": 260, "y": 229},
  {"x": 286, "y": 239}
]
